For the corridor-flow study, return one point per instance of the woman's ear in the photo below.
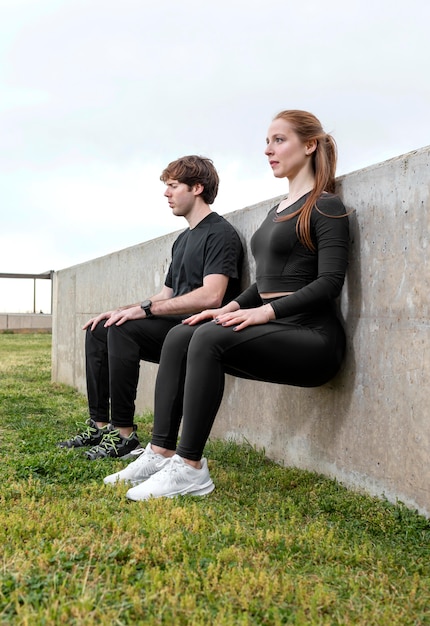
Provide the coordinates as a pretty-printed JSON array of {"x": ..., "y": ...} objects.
[{"x": 311, "y": 146}]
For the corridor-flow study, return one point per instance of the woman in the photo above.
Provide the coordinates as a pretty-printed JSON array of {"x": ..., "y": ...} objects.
[{"x": 282, "y": 329}]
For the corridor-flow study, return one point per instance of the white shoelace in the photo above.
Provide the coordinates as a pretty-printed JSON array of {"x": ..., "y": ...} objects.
[{"x": 171, "y": 471}]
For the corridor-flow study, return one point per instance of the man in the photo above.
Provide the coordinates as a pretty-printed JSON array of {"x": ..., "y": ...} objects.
[{"x": 203, "y": 273}]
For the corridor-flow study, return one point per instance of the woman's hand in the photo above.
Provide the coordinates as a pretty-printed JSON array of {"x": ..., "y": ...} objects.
[{"x": 246, "y": 317}]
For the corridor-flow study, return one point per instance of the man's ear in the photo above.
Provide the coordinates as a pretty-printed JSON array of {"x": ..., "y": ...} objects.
[{"x": 198, "y": 189}]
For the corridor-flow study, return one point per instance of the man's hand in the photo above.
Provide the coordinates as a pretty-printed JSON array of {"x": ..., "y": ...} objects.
[
  {"x": 95, "y": 320},
  {"x": 120, "y": 317},
  {"x": 208, "y": 314}
]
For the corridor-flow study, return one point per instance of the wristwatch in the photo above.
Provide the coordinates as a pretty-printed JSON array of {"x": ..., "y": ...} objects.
[{"x": 146, "y": 306}]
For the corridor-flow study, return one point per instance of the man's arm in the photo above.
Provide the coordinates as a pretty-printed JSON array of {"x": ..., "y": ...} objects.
[
  {"x": 165, "y": 293},
  {"x": 209, "y": 296}
]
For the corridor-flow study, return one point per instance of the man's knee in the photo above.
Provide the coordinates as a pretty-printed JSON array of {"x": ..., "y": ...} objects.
[
  {"x": 96, "y": 337},
  {"x": 118, "y": 339}
]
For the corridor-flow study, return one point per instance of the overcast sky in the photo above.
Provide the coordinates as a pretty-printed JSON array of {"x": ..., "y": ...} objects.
[{"x": 97, "y": 96}]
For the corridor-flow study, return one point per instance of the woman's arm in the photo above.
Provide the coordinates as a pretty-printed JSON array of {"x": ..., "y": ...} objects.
[{"x": 331, "y": 230}]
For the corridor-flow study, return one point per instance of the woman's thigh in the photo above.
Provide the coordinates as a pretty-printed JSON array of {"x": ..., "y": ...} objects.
[
  {"x": 175, "y": 346},
  {"x": 281, "y": 353}
]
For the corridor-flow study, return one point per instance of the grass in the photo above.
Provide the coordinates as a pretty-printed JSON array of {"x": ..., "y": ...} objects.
[{"x": 270, "y": 545}]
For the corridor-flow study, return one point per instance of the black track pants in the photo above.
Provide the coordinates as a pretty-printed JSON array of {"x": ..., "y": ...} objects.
[
  {"x": 301, "y": 351},
  {"x": 113, "y": 358}
]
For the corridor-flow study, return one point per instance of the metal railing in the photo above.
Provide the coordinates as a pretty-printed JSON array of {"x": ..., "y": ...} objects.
[{"x": 35, "y": 277}]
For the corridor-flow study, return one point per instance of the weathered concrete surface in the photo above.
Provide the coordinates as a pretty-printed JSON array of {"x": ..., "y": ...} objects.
[
  {"x": 25, "y": 322},
  {"x": 369, "y": 426}
]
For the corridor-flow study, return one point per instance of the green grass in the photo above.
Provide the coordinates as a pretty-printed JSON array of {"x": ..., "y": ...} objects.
[{"x": 270, "y": 545}]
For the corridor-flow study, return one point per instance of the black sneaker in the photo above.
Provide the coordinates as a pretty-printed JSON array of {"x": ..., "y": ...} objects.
[
  {"x": 114, "y": 445},
  {"x": 91, "y": 436}
]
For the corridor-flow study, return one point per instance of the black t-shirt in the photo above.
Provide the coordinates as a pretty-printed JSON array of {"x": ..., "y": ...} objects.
[
  {"x": 284, "y": 264},
  {"x": 211, "y": 247}
]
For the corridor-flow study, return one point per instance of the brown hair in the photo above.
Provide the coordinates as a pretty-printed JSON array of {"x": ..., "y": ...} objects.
[
  {"x": 324, "y": 158},
  {"x": 193, "y": 170}
]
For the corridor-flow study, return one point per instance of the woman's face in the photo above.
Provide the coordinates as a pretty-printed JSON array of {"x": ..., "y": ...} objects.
[{"x": 288, "y": 155}]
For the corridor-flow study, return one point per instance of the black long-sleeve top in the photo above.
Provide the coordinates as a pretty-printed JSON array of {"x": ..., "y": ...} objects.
[{"x": 284, "y": 264}]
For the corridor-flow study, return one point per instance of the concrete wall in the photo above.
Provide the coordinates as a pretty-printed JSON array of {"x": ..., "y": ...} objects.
[
  {"x": 25, "y": 322},
  {"x": 369, "y": 426}
]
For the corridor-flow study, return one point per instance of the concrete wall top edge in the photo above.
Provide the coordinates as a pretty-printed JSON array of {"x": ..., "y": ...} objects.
[
  {"x": 172, "y": 234},
  {"x": 402, "y": 157}
]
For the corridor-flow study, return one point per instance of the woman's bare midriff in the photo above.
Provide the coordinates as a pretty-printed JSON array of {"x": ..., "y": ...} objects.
[{"x": 277, "y": 294}]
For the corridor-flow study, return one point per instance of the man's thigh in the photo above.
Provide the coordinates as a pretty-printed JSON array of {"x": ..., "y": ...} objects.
[{"x": 140, "y": 339}]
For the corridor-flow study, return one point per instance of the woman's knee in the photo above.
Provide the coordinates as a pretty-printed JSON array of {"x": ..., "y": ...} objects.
[
  {"x": 208, "y": 337},
  {"x": 178, "y": 339}
]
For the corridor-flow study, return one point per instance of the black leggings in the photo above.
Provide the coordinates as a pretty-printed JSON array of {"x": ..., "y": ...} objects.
[
  {"x": 113, "y": 358},
  {"x": 304, "y": 351}
]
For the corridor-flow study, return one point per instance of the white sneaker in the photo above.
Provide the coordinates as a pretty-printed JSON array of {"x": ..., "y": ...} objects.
[
  {"x": 175, "y": 478},
  {"x": 139, "y": 470}
]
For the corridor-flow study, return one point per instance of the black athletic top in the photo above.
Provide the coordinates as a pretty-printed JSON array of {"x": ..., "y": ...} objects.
[
  {"x": 284, "y": 264},
  {"x": 211, "y": 247}
]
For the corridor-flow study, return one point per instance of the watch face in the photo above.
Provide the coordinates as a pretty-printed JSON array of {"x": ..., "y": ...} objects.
[{"x": 146, "y": 306}]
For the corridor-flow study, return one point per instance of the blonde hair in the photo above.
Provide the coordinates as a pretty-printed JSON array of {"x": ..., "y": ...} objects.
[{"x": 324, "y": 159}]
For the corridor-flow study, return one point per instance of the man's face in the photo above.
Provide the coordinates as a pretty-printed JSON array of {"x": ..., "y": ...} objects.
[{"x": 180, "y": 197}]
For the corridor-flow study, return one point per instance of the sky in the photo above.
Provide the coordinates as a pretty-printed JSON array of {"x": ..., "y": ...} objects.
[{"x": 98, "y": 96}]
